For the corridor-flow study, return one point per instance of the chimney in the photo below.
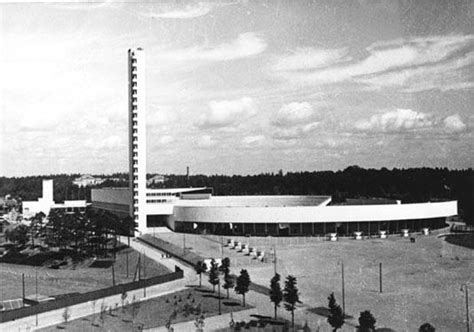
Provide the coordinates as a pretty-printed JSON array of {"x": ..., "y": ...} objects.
[{"x": 187, "y": 175}]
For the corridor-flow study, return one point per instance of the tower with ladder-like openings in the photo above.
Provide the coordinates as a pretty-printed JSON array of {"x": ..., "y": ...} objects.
[{"x": 137, "y": 135}]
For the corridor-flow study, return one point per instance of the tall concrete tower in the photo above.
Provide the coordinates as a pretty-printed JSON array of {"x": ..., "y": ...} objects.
[{"x": 137, "y": 135}]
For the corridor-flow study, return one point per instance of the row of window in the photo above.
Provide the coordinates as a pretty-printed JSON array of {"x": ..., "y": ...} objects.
[
  {"x": 157, "y": 200},
  {"x": 160, "y": 194}
]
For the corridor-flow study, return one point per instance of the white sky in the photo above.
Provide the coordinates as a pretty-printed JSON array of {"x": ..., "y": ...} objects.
[{"x": 239, "y": 87}]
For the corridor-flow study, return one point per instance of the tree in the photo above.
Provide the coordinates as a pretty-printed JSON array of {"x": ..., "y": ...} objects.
[
  {"x": 291, "y": 296},
  {"x": 200, "y": 268},
  {"x": 426, "y": 327},
  {"x": 228, "y": 278},
  {"x": 214, "y": 275},
  {"x": 66, "y": 315},
  {"x": 336, "y": 316},
  {"x": 18, "y": 235},
  {"x": 366, "y": 321},
  {"x": 243, "y": 284},
  {"x": 35, "y": 226},
  {"x": 276, "y": 294}
]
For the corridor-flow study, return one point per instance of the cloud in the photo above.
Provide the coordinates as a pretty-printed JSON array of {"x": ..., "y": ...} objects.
[
  {"x": 293, "y": 113},
  {"x": 43, "y": 117},
  {"x": 308, "y": 58},
  {"x": 295, "y": 132},
  {"x": 396, "y": 121},
  {"x": 417, "y": 63},
  {"x": 253, "y": 140},
  {"x": 189, "y": 11},
  {"x": 166, "y": 139},
  {"x": 206, "y": 141},
  {"x": 227, "y": 112},
  {"x": 454, "y": 124},
  {"x": 108, "y": 143},
  {"x": 246, "y": 45},
  {"x": 163, "y": 117}
]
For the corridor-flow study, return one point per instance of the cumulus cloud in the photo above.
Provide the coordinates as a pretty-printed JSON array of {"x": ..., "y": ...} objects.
[
  {"x": 295, "y": 132},
  {"x": 420, "y": 63},
  {"x": 246, "y": 45},
  {"x": 187, "y": 12},
  {"x": 293, "y": 113},
  {"x": 166, "y": 139},
  {"x": 227, "y": 112},
  {"x": 107, "y": 143},
  {"x": 206, "y": 141},
  {"x": 160, "y": 118},
  {"x": 396, "y": 121},
  {"x": 31, "y": 119},
  {"x": 454, "y": 124}
]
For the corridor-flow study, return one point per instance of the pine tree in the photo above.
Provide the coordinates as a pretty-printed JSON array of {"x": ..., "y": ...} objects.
[
  {"x": 200, "y": 268},
  {"x": 291, "y": 296},
  {"x": 243, "y": 284},
  {"x": 336, "y": 316},
  {"x": 228, "y": 278},
  {"x": 276, "y": 294},
  {"x": 366, "y": 321},
  {"x": 214, "y": 275}
]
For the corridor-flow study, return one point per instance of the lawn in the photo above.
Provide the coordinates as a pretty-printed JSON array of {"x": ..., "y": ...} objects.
[
  {"x": 73, "y": 278},
  {"x": 187, "y": 304},
  {"x": 421, "y": 281}
]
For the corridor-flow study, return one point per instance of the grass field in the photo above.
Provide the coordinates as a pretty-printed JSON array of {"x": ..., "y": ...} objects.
[
  {"x": 155, "y": 312},
  {"x": 421, "y": 281},
  {"x": 80, "y": 278}
]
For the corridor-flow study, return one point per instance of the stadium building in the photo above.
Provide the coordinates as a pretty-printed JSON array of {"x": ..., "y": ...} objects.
[{"x": 196, "y": 210}]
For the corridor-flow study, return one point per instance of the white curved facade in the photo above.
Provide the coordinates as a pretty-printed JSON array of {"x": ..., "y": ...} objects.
[{"x": 314, "y": 214}]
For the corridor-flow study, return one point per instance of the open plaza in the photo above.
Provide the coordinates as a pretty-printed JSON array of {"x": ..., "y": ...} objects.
[{"x": 420, "y": 281}]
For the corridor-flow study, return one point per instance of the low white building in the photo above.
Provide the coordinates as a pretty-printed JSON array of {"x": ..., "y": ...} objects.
[
  {"x": 46, "y": 203},
  {"x": 87, "y": 180}
]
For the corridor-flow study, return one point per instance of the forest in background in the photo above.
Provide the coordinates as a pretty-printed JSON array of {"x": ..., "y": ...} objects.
[{"x": 408, "y": 185}]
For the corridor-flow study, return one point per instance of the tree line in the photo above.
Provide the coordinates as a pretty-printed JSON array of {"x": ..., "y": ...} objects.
[{"x": 408, "y": 185}]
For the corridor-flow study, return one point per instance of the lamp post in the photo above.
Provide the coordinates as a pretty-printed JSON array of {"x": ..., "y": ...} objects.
[
  {"x": 465, "y": 288},
  {"x": 219, "y": 291},
  {"x": 341, "y": 262},
  {"x": 275, "y": 260}
]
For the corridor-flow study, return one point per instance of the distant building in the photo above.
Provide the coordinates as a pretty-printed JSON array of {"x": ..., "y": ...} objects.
[
  {"x": 157, "y": 179},
  {"x": 87, "y": 180},
  {"x": 46, "y": 203}
]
